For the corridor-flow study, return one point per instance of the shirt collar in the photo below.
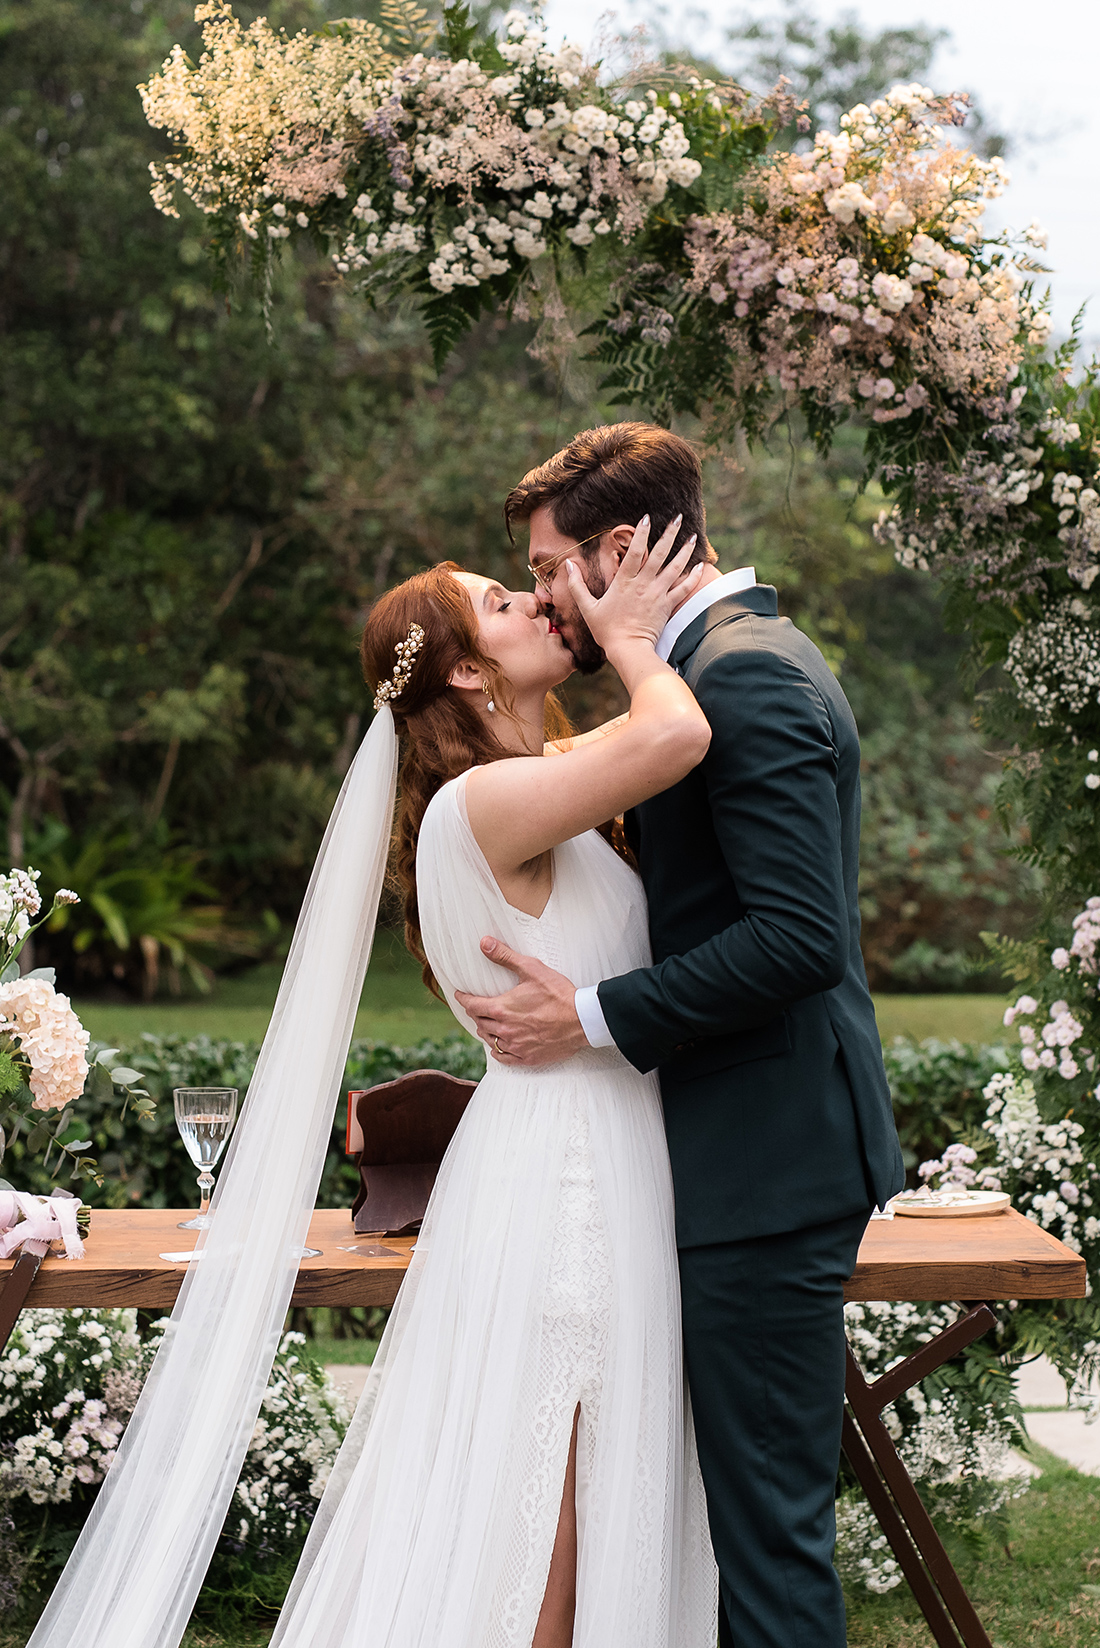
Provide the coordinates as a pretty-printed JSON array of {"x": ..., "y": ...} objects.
[{"x": 731, "y": 583}]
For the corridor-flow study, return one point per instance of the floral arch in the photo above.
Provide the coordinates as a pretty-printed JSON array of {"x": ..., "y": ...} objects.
[{"x": 855, "y": 280}]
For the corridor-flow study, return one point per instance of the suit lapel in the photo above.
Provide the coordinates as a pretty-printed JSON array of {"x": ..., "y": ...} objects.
[{"x": 761, "y": 599}]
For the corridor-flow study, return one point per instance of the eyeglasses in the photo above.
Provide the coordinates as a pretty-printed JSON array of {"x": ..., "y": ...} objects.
[{"x": 544, "y": 574}]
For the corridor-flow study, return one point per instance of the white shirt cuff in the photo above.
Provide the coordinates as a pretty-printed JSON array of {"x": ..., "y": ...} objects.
[{"x": 590, "y": 1013}]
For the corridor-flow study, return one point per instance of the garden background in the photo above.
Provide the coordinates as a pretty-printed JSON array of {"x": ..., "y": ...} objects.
[{"x": 194, "y": 518}]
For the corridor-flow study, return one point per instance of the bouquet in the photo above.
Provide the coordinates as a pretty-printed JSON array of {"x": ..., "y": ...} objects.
[{"x": 44, "y": 1066}]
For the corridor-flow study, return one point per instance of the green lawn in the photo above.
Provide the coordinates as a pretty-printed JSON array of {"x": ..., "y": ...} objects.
[
  {"x": 965, "y": 1018},
  {"x": 344, "y": 1352},
  {"x": 1042, "y": 1589},
  {"x": 395, "y": 1007}
]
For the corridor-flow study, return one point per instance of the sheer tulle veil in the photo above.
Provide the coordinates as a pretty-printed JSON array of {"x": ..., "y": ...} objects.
[{"x": 138, "y": 1565}]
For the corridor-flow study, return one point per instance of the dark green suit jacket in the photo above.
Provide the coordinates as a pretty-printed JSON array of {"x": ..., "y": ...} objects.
[{"x": 756, "y": 1011}]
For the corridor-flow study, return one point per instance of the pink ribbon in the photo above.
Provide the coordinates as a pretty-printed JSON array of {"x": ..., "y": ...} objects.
[{"x": 43, "y": 1222}]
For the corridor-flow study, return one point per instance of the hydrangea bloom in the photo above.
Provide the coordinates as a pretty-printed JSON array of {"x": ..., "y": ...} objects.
[{"x": 50, "y": 1036}]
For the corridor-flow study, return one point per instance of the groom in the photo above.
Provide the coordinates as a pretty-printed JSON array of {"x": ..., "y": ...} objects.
[{"x": 756, "y": 1014}]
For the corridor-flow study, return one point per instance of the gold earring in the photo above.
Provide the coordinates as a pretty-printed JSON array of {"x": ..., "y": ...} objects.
[{"x": 490, "y": 706}]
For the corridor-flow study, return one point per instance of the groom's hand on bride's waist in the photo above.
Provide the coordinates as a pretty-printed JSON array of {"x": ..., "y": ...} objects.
[{"x": 535, "y": 1022}]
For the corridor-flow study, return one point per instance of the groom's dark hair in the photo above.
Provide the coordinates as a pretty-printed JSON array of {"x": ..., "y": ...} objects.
[{"x": 613, "y": 476}]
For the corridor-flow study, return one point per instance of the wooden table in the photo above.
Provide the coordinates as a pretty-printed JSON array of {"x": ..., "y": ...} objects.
[
  {"x": 122, "y": 1264},
  {"x": 1003, "y": 1256}
]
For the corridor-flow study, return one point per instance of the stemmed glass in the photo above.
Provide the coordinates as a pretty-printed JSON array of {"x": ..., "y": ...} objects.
[{"x": 205, "y": 1117}]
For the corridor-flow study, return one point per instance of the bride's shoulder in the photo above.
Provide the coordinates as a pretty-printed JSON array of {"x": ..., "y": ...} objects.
[{"x": 447, "y": 802}]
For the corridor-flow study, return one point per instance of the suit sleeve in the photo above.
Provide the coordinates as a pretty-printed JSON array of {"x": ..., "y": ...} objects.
[{"x": 771, "y": 776}]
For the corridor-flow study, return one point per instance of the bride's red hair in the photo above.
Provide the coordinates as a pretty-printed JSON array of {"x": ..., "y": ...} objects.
[{"x": 442, "y": 734}]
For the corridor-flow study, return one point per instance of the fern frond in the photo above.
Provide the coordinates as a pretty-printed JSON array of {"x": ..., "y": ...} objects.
[{"x": 406, "y": 24}]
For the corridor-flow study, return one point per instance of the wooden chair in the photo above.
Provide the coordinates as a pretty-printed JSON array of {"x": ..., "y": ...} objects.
[{"x": 398, "y": 1133}]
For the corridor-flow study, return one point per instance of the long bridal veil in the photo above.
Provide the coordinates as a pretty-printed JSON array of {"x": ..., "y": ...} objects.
[{"x": 137, "y": 1567}]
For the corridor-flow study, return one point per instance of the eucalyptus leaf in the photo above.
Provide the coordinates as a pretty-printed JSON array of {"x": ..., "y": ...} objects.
[
  {"x": 125, "y": 1077},
  {"x": 47, "y": 973},
  {"x": 106, "y": 1054},
  {"x": 76, "y": 1144},
  {"x": 10, "y": 973},
  {"x": 99, "y": 1085},
  {"x": 38, "y": 1137}
]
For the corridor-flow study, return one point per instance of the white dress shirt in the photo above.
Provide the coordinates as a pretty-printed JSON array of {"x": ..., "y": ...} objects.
[{"x": 586, "y": 1000}]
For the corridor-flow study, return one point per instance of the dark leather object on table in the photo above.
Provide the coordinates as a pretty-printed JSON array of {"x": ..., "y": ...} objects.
[{"x": 405, "y": 1127}]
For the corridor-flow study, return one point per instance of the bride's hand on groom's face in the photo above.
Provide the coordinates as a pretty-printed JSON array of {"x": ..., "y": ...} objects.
[
  {"x": 533, "y": 1023},
  {"x": 645, "y": 591}
]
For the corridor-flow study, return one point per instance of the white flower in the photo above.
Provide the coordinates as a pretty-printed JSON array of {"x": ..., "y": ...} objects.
[
  {"x": 845, "y": 202},
  {"x": 52, "y": 1038},
  {"x": 1092, "y": 781},
  {"x": 892, "y": 292},
  {"x": 897, "y": 216}
]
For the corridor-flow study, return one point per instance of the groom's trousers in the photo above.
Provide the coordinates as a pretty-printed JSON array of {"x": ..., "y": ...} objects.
[{"x": 764, "y": 1349}]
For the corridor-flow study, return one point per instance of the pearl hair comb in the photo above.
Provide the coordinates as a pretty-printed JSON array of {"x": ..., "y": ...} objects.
[{"x": 406, "y": 657}]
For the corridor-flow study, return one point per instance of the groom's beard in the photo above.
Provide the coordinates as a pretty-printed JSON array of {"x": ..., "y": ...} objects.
[{"x": 588, "y": 655}]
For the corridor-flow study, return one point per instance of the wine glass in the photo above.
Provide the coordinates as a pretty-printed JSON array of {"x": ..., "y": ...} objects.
[{"x": 205, "y": 1117}]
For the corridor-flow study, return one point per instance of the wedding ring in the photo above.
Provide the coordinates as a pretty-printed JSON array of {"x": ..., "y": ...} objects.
[{"x": 499, "y": 1048}]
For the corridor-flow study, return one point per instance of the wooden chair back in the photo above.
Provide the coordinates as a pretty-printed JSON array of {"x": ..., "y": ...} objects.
[{"x": 398, "y": 1133}]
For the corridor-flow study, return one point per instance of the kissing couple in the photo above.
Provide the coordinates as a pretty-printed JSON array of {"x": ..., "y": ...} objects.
[
  {"x": 535, "y": 1471},
  {"x": 606, "y": 1409}
]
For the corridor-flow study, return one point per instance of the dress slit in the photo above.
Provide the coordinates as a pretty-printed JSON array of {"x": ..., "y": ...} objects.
[{"x": 544, "y": 1280}]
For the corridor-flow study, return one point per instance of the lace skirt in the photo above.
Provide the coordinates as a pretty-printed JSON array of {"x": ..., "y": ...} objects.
[{"x": 544, "y": 1282}]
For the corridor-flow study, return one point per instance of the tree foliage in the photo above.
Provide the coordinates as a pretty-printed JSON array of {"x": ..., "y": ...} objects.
[{"x": 195, "y": 516}]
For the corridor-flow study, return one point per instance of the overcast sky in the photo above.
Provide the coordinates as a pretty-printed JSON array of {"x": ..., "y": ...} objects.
[{"x": 1034, "y": 69}]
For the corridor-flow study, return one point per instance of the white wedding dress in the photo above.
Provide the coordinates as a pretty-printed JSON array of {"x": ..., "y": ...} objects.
[{"x": 544, "y": 1280}]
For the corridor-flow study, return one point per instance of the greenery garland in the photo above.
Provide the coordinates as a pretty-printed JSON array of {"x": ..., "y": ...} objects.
[{"x": 855, "y": 281}]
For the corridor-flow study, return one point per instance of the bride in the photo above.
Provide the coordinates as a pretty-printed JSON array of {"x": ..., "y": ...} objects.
[{"x": 520, "y": 1472}]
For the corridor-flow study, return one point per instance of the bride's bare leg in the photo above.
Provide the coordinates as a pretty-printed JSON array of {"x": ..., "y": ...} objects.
[{"x": 555, "y": 1626}]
